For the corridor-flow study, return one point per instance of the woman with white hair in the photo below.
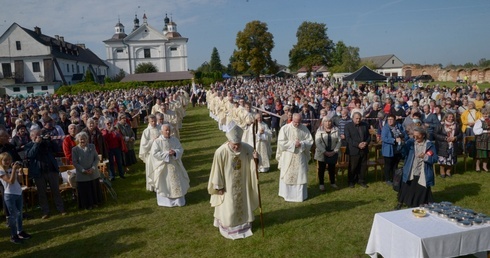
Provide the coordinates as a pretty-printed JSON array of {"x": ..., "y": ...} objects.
[
  {"x": 327, "y": 141},
  {"x": 86, "y": 160}
]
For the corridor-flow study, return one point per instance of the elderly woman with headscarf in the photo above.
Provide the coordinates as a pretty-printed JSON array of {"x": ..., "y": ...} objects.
[
  {"x": 418, "y": 170},
  {"x": 482, "y": 139},
  {"x": 447, "y": 135}
]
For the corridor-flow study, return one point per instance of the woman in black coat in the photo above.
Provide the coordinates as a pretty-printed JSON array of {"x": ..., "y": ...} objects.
[{"x": 448, "y": 135}]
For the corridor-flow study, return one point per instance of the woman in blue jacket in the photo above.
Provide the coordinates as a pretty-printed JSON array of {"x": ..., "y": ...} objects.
[
  {"x": 392, "y": 137},
  {"x": 418, "y": 172}
]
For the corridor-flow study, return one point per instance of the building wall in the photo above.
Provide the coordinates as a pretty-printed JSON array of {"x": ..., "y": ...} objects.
[
  {"x": 478, "y": 75},
  {"x": 390, "y": 71},
  {"x": 30, "y": 90},
  {"x": 29, "y": 46},
  {"x": 167, "y": 54}
]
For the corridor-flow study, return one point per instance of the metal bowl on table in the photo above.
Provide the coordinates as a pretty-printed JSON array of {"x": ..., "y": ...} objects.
[
  {"x": 465, "y": 223},
  {"x": 419, "y": 212}
]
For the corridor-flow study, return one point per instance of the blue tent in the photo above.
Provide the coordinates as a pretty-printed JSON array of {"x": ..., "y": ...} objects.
[{"x": 226, "y": 76}]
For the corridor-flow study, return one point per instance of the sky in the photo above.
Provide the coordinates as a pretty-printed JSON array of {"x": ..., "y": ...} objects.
[{"x": 424, "y": 32}]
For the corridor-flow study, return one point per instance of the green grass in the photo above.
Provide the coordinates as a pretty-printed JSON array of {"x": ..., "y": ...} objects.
[{"x": 332, "y": 224}]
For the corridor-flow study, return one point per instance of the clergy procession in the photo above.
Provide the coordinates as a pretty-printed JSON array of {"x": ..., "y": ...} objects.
[
  {"x": 294, "y": 122},
  {"x": 339, "y": 123}
]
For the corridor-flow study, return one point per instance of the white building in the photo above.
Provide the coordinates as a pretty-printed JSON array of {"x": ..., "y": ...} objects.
[
  {"x": 165, "y": 49},
  {"x": 34, "y": 63},
  {"x": 387, "y": 65}
]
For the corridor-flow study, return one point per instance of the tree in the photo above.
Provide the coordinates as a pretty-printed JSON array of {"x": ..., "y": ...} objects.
[
  {"x": 345, "y": 58},
  {"x": 370, "y": 64},
  {"x": 254, "y": 44},
  {"x": 313, "y": 47},
  {"x": 88, "y": 76},
  {"x": 229, "y": 69},
  {"x": 483, "y": 62},
  {"x": 204, "y": 68},
  {"x": 337, "y": 53},
  {"x": 215, "y": 63},
  {"x": 118, "y": 77},
  {"x": 146, "y": 68}
]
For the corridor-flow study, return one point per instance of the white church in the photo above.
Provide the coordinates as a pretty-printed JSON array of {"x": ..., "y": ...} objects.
[{"x": 166, "y": 49}]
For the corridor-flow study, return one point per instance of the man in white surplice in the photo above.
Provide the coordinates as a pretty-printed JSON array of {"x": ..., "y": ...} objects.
[
  {"x": 263, "y": 141},
  {"x": 168, "y": 175},
  {"x": 293, "y": 153},
  {"x": 233, "y": 186},
  {"x": 147, "y": 137}
]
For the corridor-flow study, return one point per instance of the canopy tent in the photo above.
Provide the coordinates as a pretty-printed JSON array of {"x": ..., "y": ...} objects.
[
  {"x": 226, "y": 76},
  {"x": 365, "y": 74}
]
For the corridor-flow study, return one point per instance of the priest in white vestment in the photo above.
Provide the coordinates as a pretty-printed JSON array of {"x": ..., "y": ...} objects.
[
  {"x": 168, "y": 175},
  {"x": 263, "y": 140},
  {"x": 293, "y": 153},
  {"x": 147, "y": 137},
  {"x": 233, "y": 186}
]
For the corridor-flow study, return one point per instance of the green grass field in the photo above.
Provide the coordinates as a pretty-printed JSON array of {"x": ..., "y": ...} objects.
[{"x": 332, "y": 224}]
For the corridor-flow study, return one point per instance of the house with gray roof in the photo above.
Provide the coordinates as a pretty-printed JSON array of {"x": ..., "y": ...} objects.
[
  {"x": 33, "y": 63},
  {"x": 387, "y": 65}
]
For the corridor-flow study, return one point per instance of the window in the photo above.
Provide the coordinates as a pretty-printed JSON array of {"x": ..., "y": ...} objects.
[
  {"x": 67, "y": 68},
  {"x": 78, "y": 68},
  {"x": 30, "y": 89},
  {"x": 17, "y": 44},
  {"x": 147, "y": 53},
  {"x": 16, "y": 89},
  {"x": 35, "y": 67},
  {"x": 173, "y": 49},
  {"x": 119, "y": 50},
  {"x": 44, "y": 88},
  {"x": 73, "y": 68},
  {"x": 393, "y": 61},
  {"x": 83, "y": 69},
  {"x": 7, "y": 70}
]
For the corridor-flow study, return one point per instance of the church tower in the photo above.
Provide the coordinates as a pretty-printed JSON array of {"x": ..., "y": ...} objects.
[
  {"x": 119, "y": 30},
  {"x": 136, "y": 22},
  {"x": 171, "y": 29},
  {"x": 165, "y": 26}
]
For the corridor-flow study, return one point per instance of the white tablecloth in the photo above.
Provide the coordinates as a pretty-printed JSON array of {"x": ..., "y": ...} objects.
[{"x": 400, "y": 234}]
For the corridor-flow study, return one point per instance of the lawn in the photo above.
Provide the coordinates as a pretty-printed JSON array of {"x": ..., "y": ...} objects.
[{"x": 332, "y": 224}]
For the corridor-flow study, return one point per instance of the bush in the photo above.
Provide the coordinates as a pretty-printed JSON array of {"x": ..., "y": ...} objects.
[{"x": 111, "y": 86}]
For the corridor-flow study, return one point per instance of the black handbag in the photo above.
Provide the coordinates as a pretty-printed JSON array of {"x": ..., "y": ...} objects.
[{"x": 397, "y": 179}]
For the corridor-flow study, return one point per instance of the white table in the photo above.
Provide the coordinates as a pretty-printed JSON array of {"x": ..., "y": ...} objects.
[{"x": 400, "y": 234}]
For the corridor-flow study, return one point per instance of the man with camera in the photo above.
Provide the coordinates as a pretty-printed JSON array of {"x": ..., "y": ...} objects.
[{"x": 43, "y": 168}]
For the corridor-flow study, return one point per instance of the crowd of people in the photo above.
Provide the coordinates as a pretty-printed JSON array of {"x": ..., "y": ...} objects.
[
  {"x": 45, "y": 132},
  {"x": 308, "y": 118},
  {"x": 421, "y": 124}
]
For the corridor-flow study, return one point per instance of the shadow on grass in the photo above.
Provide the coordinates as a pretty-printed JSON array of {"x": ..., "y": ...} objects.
[
  {"x": 197, "y": 196},
  {"x": 457, "y": 192},
  {"x": 312, "y": 210},
  {"x": 103, "y": 244},
  {"x": 57, "y": 226}
]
